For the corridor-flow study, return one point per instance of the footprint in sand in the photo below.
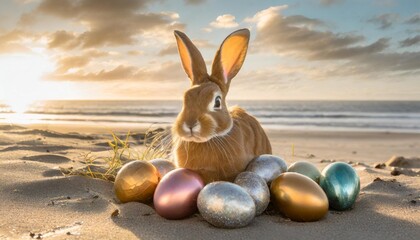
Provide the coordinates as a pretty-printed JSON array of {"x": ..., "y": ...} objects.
[
  {"x": 41, "y": 148},
  {"x": 48, "y": 158},
  {"x": 52, "y": 134},
  {"x": 10, "y": 127},
  {"x": 3, "y": 143},
  {"x": 52, "y": 173}
]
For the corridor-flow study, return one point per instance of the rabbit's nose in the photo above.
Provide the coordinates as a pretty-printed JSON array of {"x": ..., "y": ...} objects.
[{"x": 191, "y": 127}]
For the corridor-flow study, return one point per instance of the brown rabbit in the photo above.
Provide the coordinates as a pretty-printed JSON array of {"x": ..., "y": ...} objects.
[{"x": 209, "y": 138}]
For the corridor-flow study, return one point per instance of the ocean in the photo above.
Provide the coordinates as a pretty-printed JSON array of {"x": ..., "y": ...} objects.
[{"x": 382, "y": 116}]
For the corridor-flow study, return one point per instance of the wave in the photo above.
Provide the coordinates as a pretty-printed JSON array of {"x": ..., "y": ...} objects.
[
  {"x": 320, "y": 115},
  {"x": 106, "y": 113},
  {"x": 258, "y": 114}
]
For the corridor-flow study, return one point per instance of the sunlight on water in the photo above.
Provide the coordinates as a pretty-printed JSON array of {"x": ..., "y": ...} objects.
[
  {"x": 18, "y": 118},
  {"x": 18, "y": 108},
  {"x": 399, "y": 116}
]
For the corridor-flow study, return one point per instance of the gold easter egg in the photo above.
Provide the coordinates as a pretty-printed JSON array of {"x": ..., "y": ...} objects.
[
  {"x": 136, "y": 181},
  {"x": 298, "y": 197}
]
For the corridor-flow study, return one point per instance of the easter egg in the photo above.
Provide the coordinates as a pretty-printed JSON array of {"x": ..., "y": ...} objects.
[
  {"x": 226, "y": 205},
  {"x": 136, "y": 181},
  {"x": 163, "y": 166},
  {"x": 306, "y": 168},
  {"x": 255, "y": 186},
  {"x": 267, "y": 166},
  {"x": 176, "y": 195},
  {"x": 341, "y": 184},
  {"x": 298, "y": 197}
]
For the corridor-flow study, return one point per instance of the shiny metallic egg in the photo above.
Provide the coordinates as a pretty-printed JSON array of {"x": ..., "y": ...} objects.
[
  {"x": 267, "y": 166},
  {"x": 298, "y": 197},
  {"x": 257, "y": 188},
  {"x": 176, "y": 195},
  {"x": 306, "y": 168},
  {"x": 226, "y": 205},
  {"x": 136, "y": 181},
  {"x": 341, "y": 184},
  {"x": 163, "y": 166}
]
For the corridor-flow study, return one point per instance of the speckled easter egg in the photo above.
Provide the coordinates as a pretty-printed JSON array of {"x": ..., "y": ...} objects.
[
  {"x": 267, "y": 166},
  {"x": 255, "y": 186},
  {"x": 341, "y": 184},
  {"x": 306, "y": 168},
  {"x": 226, "y": 205}
]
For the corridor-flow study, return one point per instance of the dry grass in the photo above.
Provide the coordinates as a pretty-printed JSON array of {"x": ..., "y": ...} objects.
[{"x": 157, "y": 144}]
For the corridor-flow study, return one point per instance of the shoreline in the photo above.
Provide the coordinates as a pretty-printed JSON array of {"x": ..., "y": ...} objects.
[{"x": 93, "y": 127}]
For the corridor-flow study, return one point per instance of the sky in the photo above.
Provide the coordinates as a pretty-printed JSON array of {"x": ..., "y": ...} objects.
[{"x": 125, "y": 49}]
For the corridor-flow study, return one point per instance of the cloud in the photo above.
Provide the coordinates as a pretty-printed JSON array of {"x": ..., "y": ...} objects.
[
  {"x": 194, "y": 2},
  {"x": 120, "y": 72},
  {"x": 11, "y": 42},
  {"x": 203, "y": 43},
  {"x": 27, "y": 19},
  {"x": 293, "y": 34},
  {"x": 63, "y": 39},
  {"x": 329, "y": 2},
  {"x": 24, "y": 2},
  {"x": 108, "y": 22},
  {"x": 415, "y": 19},
  {"x": 408, "y": 42},
  {"x": 299, "y": 20},
  {"x": 73, "y": 62},
  {"x": 167, "y": 71},
  {"x": 224, "y": 21},
  {"x": 350, "y": 52},
  {"x": 263, "y": 16},
  {"x": 171, "y": 49},
  {"x": 384, "y": 21},
  {"x": 407, "y": 62},
  {"x": 277, "y": 33},
  {"x": 96, "y": 8},
  {"x": 135, "y": 53},
  {"x": 64, "y": 64}
]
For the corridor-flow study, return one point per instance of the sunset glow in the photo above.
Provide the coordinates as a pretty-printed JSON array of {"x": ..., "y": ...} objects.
[
  {"x": 22, "y": 79},
  {"x": 297, "y": 51}
]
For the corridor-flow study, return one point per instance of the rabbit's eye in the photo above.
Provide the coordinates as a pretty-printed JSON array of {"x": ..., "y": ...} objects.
[{"x": 218, "y": 103}]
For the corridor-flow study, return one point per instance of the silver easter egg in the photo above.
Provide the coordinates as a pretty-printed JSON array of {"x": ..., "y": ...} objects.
[
  {"x": 267, "y": 166},
  {"x": 306, "y": 168},
  {"x": 163, "y": 166},
  {"x": 257, "y": 188},
  {"x": 226, "y": 205}
]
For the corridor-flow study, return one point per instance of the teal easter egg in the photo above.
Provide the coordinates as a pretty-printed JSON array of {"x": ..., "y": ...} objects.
[
  {"x": 305, "y": 168},
  {"x": 341, "y": 184}
]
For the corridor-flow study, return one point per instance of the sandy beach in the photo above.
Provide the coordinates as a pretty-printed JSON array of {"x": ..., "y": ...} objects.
[{"x": 38, "y": 201}]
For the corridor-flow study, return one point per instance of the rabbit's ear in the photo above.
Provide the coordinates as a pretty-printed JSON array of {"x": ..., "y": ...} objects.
[
  {"x": 191, "y": 58},
  {"x": 230, "y": 56}
]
